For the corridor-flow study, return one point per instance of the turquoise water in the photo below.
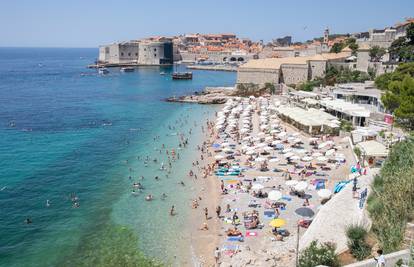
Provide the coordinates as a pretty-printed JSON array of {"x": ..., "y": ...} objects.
[{"x": 66, "y": 130}]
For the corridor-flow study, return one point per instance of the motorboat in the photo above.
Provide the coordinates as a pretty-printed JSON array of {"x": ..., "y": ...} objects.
[
  {"x": 182, "y": 76},
  {"x": 127, "y": 69},
  {"x": 103, "y": 71}
]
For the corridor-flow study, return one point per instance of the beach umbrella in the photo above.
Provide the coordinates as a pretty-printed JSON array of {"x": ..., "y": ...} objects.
[
  {"x": 291, "y": 182},
  {"x": 307, "y": 158},
  {"x": 294, "y": 158},
  {"x": 301, "y": 151},
  {"x": 277, "y": 223},
  {"x": 289, "y": 154},
  {"x": 286, "y": 150},
  {"x": 273, "y": 160},
  {"x": 282, "y": 134},
  {"x": 219, "y": 157},
  {"x": 274, "y": 195},
  {"x": 227, "y": 149},
  {"x": 225, "y": 144},
  {"x": 305, "y": 212},
  {"x": 260, "y": 145},
  {"x": 322, "y": 145},
  {"x": 325, "y": 193},
  {"x": 276, "y": 142},
  {"x": 215, "y": 145},
  {"x": 268, "y": 148},
  {"x": 257, "y": 187},
  {"x": 317, "y": 154},
  {"x": 301, "y": 186},
  {"x": 322, "y": 159},
  {"x": 260, "y": 159},
  {"x": 330, "y": 152},
  {"x": 250, "y": 152}
]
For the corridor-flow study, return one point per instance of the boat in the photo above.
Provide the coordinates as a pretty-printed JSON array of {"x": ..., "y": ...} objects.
[
  {"x": 127, "y": 69},
  {"x": 182, "y": 76},
  {"x": 103, "y": 71},
  {"x": 162, "y": 73}
]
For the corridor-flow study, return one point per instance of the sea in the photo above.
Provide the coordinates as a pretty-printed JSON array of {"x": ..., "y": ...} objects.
[{"x": 72, "y": 143}]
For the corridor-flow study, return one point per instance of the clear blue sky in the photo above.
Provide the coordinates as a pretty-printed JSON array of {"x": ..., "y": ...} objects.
[{"x": 88, "y": 23}]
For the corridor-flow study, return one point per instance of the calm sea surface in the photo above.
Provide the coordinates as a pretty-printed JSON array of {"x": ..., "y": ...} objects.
[{"x": 66, "y": 131}]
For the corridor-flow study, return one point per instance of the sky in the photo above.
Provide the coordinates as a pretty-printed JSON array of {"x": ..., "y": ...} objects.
[{"x": 89, "y": 23}]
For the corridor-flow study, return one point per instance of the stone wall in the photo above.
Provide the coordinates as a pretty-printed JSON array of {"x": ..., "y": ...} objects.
[
  {"x": 390, "y": 260},
  {"x": 295, "y": 73},
  {"x": 317, "y": 68},
  {"x": 258, "y": 76}
]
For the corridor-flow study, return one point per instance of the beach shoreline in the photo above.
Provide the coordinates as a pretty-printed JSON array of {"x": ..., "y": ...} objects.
[{"x": 204, "y": 242}]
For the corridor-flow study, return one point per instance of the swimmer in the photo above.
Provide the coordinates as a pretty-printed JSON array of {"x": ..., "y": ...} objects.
[
  {"x": 163, "y": 196},
  {"x": 149, "y": 197},
  {"x": 182, "y": 183},
  {"x": 47, "y": 203},
  {"x": 28, "y": 221},
  {"x": 172, "y": 211}
]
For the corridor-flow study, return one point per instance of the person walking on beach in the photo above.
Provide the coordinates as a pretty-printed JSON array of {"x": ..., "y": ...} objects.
[
  {"x": 218, "y": 211},
  {"x": 217, "y": 254},
  {"x": 206, "y": 213},
  {"x": 172, "y": 211}
]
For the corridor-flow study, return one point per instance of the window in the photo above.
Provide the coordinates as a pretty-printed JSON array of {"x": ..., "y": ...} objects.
[
  {"x": 155, "y": 55},
  {"x": 129, "y": 54},
  {"x": 136, "y": 54},
  {"x": 122, "y": 53},
  {"x": 155, "y": 49},
  {"x": 145, "y": 49}
]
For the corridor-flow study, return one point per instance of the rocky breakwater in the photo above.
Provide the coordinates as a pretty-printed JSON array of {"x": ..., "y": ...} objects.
[{"x": 210, "y": 95}]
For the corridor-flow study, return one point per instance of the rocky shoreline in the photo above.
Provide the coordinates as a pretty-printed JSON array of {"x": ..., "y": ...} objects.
[{"x": 210, "y": 95}]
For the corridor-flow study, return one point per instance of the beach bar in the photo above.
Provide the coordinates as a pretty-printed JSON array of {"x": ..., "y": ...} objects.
[
  {"x": 354, "y": 113},
  {"x": 312, "y": 121}
]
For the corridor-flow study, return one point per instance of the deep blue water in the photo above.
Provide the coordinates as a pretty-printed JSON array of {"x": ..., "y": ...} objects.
[{"x": 65, "y": 129}]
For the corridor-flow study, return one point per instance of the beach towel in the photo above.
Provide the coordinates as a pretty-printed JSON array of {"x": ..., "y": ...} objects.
[
  {"x": 269, "y": 214},
  {"x": 287, "y": 198},
  {"x": 235, "y": 239},
  {"x": 251, "y": 234}
]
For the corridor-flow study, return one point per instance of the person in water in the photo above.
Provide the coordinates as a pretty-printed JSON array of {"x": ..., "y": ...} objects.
[
  {"x": 28, "y": 220},
  {"x": 172, "y": 211},
  {"x": 149, "y": 197}
]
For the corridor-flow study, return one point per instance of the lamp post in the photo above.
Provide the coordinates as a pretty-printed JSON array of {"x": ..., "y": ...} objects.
[{"x": 297, "y": 245}]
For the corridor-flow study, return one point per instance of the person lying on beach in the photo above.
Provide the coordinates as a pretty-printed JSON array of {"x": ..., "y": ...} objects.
[
  {"x": 204, "y": 227},
  {"x": 233, "y": 232}
]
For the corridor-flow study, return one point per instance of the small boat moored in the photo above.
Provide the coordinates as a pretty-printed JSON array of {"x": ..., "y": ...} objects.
[
  {"x": 103, "y": 71},
  {"x": 127, "y": 69},
  {"x": 182, "y": 76}
]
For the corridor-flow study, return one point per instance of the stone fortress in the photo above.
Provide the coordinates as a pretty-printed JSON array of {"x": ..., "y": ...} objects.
[{"x": 143, "y": 52}]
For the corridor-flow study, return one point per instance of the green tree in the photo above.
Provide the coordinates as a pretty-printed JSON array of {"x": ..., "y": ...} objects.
[
  {"x": 402, "y": 49},
  {"x": 410, "y": 34},
  {"x": 337, "y": 47},
  {"x": 322, "y": 254},
  {"x": 354, "y": 47},
  {"x": 376, "y": 53}
]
